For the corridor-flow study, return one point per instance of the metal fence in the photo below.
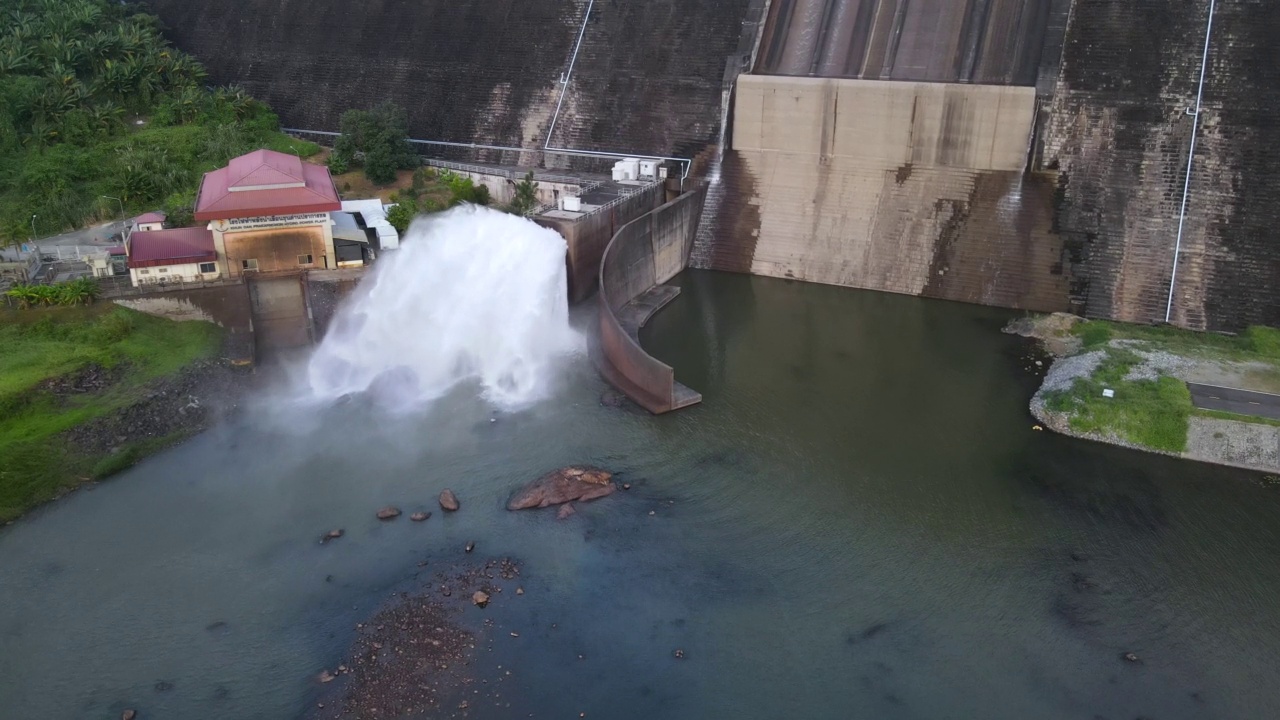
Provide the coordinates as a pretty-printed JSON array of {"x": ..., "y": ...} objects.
[{"x": 584, "y": 185}]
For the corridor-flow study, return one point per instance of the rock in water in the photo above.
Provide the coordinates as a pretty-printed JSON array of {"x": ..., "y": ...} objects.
[
  {"x": 128, "y": 715},
  {"x": 389, "y": 513},
  {"x": 471, "y": 546},
  {"x": 419, "y": 516},
  {"x": 565, "y": 511},
  {"x": 576, "y": 482},
  {"x": 331, "y": 535},
  {"x": 448, "y": 500},
  {"x": 480, "y": 598}
]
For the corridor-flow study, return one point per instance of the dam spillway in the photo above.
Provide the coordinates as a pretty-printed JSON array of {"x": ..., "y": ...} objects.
[{"x": 991, "y": 42}]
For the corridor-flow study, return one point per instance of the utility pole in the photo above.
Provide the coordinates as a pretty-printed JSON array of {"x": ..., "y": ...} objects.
[{"x": 108, "y": 197}]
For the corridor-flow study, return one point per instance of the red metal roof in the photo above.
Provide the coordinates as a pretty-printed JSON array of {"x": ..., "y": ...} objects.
[
  {"x": 151, "y": 217},
  {"x": 171, "y": 247},
  {"x": 266, "y": 182}
]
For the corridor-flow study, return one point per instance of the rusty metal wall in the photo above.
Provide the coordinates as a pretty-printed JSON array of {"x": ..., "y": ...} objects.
[
  {"x": 643, "y": 254},
  {"x": 276, "y": 250}
]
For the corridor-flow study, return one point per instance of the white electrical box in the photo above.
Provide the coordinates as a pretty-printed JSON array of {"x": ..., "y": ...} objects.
[
  {"x": 625, "y": 170},
  {"x": 572, "y": 203},
  {"x": 649, "y": 169}
]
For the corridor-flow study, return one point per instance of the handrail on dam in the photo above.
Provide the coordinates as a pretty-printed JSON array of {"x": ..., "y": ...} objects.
[
  {"x": 642, "y": 256},
  {"x": 686, "y": 164}
]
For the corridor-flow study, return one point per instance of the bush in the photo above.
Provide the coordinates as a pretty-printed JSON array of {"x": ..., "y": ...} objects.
[
  {"x": 1263, "y": 340},
  {"x": 1094, "y": 334},
  {"x": 81, "y": 291},
  {"x": 526, "y": 197},
  {"x": 401, "y": 214}
]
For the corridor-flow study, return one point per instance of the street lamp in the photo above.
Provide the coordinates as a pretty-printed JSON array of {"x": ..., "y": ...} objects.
[
  {"x": 33, "y": 228},
  {"x": 108, "y": 197}
]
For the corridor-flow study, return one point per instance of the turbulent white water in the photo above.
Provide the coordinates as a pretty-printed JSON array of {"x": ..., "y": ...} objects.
[{"x": 472, "y": 293}]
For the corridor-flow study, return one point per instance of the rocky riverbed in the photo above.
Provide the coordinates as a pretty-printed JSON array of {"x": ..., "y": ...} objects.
[
  {"x": 415, "y": 656},
  {"x": 173, "y": 408}
]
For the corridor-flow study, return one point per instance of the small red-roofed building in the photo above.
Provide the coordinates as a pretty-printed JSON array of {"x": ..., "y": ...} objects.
[
  {"x": 178, "y": 255},
  {"x": 269, "y": 212},
  {"x": 148, "y": 222}
]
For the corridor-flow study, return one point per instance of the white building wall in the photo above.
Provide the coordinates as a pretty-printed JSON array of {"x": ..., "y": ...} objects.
[{"x": 185, "y": 272}]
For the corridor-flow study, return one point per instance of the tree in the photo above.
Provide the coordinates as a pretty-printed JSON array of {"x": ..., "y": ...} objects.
[
  {"x": 379, "y": 137},
  {"x": 401, "y": 214},
  {"x": 526, "y": 197},
  {"x": 179, "y": 209}
]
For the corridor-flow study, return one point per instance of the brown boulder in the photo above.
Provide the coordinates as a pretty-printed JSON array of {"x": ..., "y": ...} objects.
[
  {"x": 565, "y": 511},
  {"x": 573, "y": 483},
  {"x": 389, "y": 513},
  {"x": 480, "y": 598},
  {"x": 128, "y": 715},
  {"x": 448, "y": 500},
  {"x": 419, "y": 516}
]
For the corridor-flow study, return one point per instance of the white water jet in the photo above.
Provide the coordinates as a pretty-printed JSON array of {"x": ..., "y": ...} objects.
[{"x": 472, "y": 293}]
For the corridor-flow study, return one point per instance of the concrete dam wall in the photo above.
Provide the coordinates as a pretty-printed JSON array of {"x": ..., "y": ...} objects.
[
  {"x": 649, "y": 77},
  {"x": 1120, "y": 135},
  {"x": 907, "y": 187}
]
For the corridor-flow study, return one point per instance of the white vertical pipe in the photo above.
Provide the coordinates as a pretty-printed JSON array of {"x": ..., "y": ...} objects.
[{"x": 1191, "y": 154}]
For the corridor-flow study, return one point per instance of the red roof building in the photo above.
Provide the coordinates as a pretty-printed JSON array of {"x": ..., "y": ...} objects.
[
  {"x": 151, "y": 217},
  {"x": 179, "y": 246},
  {"x": 266, "y": 183}
]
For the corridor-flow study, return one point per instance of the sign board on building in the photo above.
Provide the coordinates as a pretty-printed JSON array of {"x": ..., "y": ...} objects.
[{"x": 270, "y": 221}]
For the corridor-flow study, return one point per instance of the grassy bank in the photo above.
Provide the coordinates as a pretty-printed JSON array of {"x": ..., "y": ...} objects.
[
  {"x": 61, "y": 368},
  {"x": 1146, "y": 368}
]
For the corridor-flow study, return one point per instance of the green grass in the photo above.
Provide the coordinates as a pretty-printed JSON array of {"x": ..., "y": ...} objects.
[
  {"x": 39, "y": 345},
  {"x": 1256, "y": 343},
  {"x": 1223, "y": 415},
  {"x": 1150, "y": 413}
]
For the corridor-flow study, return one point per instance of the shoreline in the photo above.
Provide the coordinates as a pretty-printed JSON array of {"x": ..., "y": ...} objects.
[{"x": 1247, "y": 443}]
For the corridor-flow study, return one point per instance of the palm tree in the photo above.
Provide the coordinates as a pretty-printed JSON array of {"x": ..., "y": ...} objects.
[
  {"x": 15, "y": 59},
  {"x": 106, "y": 116}
]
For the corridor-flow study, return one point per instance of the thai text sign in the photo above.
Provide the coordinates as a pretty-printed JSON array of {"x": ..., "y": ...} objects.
[{"x": 276, "y": 221}]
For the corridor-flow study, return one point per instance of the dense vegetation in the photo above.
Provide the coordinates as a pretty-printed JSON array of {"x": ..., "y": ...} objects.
[
  {"x": 377, "y": 140},
  {"x": 433, "y": 190},
  {"x": 81, "y": 291},
  {"x": 94, "y": 102},
  {"x": 39, "y": 348}
]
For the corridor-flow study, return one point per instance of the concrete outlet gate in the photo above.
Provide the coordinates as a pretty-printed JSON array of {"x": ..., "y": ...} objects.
[{"x": 280, "y": 318}]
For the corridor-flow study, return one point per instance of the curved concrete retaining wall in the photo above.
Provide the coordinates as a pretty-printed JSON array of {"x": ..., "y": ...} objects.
[{"x": 644, "y": 254}]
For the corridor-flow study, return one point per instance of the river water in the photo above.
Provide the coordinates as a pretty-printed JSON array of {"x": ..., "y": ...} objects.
[{"x": 858, "y": 521}]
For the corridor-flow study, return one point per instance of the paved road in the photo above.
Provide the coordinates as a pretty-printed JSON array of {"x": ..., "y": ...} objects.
[
  {"x": 1242, "y": 402},
  {"x": 97, "y": 235}
]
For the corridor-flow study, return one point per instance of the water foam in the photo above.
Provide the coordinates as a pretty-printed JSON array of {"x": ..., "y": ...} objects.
[{"x": 472, "y": 293}]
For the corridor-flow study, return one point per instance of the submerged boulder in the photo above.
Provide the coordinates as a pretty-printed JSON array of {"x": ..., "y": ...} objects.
[
  {"x": 573, "y": 483},
  {"x": 389, "y": 513},
  {"x": 565, "y": 511},
  {"x": 448, "y": 500}
]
